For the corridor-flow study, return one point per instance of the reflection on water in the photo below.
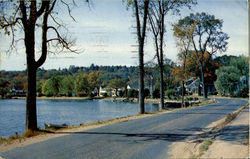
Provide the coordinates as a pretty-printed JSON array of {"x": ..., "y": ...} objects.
[{"x": 68, "y": 111}]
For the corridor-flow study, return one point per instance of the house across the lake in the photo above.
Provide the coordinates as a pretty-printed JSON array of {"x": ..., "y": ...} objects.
[{"x": 16, "y": 91}]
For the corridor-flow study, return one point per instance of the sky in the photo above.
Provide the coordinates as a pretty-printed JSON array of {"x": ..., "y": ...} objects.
[{"x": 105, "y": 34}]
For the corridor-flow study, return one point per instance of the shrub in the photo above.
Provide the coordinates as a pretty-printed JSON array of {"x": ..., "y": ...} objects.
[
  {"x": 243, "y": 92},
  {"x": 156, "y": 93},
  {"x": 132, "y": 93},
  {"x": 170, "y": 93},
  {"x": 146, "y": 92}
]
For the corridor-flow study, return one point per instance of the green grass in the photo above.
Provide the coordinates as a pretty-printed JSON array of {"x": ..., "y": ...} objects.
[
  {"x": 205, "y": 144},
  {"x": 203, "y": 148}
]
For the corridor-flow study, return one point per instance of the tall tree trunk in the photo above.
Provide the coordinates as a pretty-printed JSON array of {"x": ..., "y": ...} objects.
[
  {"x": 203, "y": 82},
  {"x": 141, "y": 33},
  {"x": 151, "y": 86},
  {"x": 162, "y": 31},
  {"x": 183, "y": 94},
  {"x": 31, "y": 114},
  {"x": 141, "y": 79},
  {"x": 161, "y": 87}
]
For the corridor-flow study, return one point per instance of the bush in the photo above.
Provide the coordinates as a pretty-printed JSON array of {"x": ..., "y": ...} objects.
[
  {"x": 121, "y": 93},
  {"x": 170, "y": 93},
  {"x": 228, "y": 78},
  {"x": 91, "y": 95},
  {"x": 132, "y": 93},
  {"x": 146, "y": 92},
  {"x": 156, "y": 93},
  {"x": 243, "y": 92},
  {"x": 81, "y": 94}
]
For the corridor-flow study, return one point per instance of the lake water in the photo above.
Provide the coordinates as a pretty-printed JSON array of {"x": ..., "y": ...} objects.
[{"x": 69, "y": 111}]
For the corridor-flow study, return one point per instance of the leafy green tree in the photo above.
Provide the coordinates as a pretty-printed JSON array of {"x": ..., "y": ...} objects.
[
  {"x": 52, "y": 86},
  {"x": 81, "y": 84},
  {"x": 39, "y": 85},
  {"x": 4, "y": 87},
  {"x": 242, "y": 64},
  {"x": 184, "y": 39},
  {"x": 67, "y": 85},
  {"x": 93, "y": 80},
  {"x": 225, "y": 60},
  {"x": 228, "y": 80},
  {"x": 207, "y": 37}
]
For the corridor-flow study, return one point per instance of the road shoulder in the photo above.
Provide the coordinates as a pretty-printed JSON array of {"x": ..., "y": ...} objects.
[
  {"x": 217, "y": 141},
  {"x": 232, "y": 141}
]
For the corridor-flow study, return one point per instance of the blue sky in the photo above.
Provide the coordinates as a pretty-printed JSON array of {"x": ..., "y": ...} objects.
[{"x": 105, "y": 34}]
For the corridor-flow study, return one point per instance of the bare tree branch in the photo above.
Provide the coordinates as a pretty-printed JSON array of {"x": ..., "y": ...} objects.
[
  {"x": 41, "y": 10},
  {"x": 69, "y": 10}
]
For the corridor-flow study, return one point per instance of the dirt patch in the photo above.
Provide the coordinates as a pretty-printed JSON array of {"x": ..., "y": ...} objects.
[
  {"x": 221, "y": 149},
  {"x": 183, "y": 150}
]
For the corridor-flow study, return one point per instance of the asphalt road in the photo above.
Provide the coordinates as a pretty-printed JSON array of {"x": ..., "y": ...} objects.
[{"x": 144, "y": 138}]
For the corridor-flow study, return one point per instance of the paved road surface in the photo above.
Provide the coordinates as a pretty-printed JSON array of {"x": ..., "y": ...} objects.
[{"x": 144, "y": 138}]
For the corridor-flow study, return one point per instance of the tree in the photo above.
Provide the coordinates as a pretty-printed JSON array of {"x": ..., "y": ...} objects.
[
  {"x": 116, "y": 84},
  {"x": 52, "y": 86},
  {"x": 230, "y": 76},
  {"x": 242, "y": 64},
  {"x": 30, "y": 16},
  {"x": 183, "y": 38},
  {"x": 4, "y": 87},
  {"x": 141, "y": 12},
  {"x": 19, "y": 82},
  {"x": 81, "y": 84},
  {"x": 207, "y": 37},
  {"x": 39, "y": 85},
  {"x": 227, "y": 80},
  {"x": 157, "y": 12},
  {"x": 93, "y": 80},
  {"x": 67, "y": 85}
]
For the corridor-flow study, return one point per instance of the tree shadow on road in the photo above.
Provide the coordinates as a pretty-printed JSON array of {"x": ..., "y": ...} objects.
[
  {"x": 236, "y": 134},
  {"x": 170, "y": 137}
]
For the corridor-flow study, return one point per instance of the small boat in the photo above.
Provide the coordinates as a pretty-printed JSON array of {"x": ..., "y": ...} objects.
[{"x": 54, "y": 126}]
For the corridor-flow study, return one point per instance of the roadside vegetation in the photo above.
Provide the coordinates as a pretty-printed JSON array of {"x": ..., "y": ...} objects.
[{"x": 205, "y": 145}]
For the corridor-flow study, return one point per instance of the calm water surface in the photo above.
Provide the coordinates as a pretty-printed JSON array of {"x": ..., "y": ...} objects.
[{"x": 70, "y": 112}]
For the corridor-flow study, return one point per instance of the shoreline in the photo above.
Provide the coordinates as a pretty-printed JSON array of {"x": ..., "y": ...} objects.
[
  {"x": 124, "y": 99},
  {"x": 24, "y": 141}
]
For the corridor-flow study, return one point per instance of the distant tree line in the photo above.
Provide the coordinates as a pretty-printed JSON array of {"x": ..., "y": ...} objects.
[{"x": 226, "y": 72}]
